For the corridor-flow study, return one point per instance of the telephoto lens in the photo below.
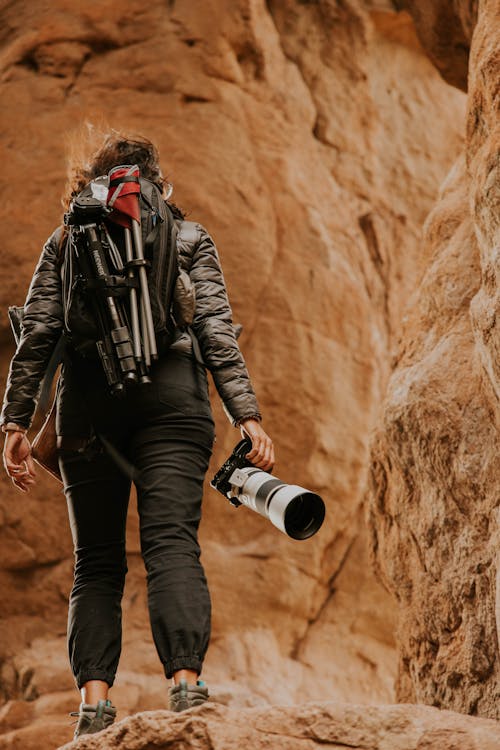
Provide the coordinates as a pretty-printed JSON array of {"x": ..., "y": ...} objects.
[{"x": 297, "y": 512}]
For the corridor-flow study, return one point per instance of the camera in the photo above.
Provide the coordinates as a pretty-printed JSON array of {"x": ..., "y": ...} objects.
[{"x": 295, "y": 511}]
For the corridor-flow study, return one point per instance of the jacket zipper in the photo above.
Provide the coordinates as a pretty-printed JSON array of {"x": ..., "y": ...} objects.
[{"x": 67, "y": 275}]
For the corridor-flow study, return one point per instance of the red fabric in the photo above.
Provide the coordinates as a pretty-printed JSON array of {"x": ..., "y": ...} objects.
[{"x": 126, "y": 208}]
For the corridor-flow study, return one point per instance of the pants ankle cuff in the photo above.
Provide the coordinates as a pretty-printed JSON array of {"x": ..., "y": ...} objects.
[
  {"x": 182, "y": 662},
  {"x": 93, "y": 674}
]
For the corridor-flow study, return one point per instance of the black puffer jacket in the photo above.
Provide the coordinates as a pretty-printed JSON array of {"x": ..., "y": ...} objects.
[{"x": 212, "y": 326}]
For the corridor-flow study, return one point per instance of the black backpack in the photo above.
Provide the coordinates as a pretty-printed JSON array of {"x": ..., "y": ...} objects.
[{"x": 159, "y": 230}]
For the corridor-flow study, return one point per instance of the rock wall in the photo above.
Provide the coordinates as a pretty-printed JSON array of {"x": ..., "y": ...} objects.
[
  {"x": 436, "y": 470},
  {"x": 310, "y": 139}
]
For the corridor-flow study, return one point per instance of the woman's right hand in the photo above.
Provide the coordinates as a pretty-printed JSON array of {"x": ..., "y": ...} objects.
[
  {"x": 17, "y": 460},
  {"x": 262, "y": 453}
]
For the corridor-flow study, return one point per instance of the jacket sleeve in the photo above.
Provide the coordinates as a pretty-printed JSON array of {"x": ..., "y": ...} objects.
[
  {"x": 42, "y": 326},
  {"x": 213, "y": 327}
]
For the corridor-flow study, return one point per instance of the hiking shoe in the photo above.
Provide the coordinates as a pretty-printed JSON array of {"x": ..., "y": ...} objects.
[
  {"x": 184, "y": 696},
  {"x": 92, "y": 719}
]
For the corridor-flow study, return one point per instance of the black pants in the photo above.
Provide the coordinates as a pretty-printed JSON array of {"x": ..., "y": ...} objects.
[{"x": 165, "y": 429}]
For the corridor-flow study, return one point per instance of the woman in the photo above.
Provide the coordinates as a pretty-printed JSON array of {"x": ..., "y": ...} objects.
[{"x": 164, "y": 429}]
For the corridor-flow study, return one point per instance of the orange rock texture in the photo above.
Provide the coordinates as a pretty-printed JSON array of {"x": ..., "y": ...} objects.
[
  {"x": 436, "y": 469},
  {"x": 311, "y": 140}
]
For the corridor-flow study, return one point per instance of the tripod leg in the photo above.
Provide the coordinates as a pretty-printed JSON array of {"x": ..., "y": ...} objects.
[
  {"x": 145, "y": 301},
  {"x": 145, "y": 337},
  {"x": 113, "y": 250},
  {"x": 134, "y": 311}
]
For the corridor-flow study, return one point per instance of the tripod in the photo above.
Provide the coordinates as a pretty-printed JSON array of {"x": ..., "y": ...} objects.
[{"x": 127, "y": 342}]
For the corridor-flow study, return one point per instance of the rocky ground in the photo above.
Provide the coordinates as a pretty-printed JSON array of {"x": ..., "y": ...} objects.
[{"x": 305, "y": 727}]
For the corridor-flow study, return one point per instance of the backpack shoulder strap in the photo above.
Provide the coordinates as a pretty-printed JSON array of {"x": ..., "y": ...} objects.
[
  {"x": 189, "y": 231},
  {"x": 188, "y": 235}
]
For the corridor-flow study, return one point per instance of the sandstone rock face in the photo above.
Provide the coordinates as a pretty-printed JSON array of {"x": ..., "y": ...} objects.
[
  {"x": 436, "y": 470},
  {"x": 310, "y": 139},
  {"x": 483, "y": 147}
]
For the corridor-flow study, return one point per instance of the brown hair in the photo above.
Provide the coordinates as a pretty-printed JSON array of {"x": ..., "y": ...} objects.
[{"x": 94, "y": 151}]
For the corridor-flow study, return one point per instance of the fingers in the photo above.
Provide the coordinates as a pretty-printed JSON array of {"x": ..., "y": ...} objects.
[
  {"x": 21, "y": 485},
  {"x": 262, "y": 453},
  {"x": 23, "y": 482},
  {"x": 18, "y": 462},
  {"x": 255, "y": 451},
  {"x": 21, "y": 477},
  {"x": 12, "y": 468},
  {"x": 12, "y": 453},
  {"x": 269, "y": 457},
  {"x": 30, "y": 465}
]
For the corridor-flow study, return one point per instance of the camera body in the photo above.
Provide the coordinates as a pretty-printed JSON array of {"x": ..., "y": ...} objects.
[
  {"x": 237, "y": 460},
  {"x": 295, "y": 511}
]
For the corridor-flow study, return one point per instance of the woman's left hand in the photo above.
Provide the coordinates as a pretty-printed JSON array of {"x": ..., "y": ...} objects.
[{"x": 262, "y": 453}]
